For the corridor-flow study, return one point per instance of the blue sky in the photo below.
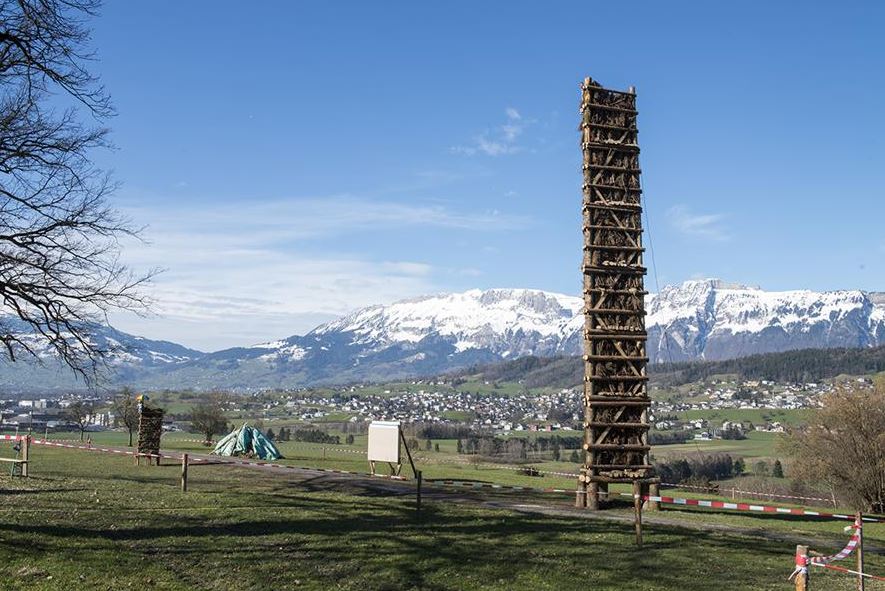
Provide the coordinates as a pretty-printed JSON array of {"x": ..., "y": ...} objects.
[{"x": 296, "y": 160}]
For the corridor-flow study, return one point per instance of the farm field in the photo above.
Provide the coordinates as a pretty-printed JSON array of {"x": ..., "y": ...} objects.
[{"x": 94, "y": 521}]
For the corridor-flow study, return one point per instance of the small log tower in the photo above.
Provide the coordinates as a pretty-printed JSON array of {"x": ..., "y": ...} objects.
[
  {"x": 616, "y": 398},
  {"x": 150, "y": 429}
]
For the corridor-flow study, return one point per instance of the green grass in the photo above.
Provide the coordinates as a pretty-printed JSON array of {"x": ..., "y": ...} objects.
[
  {"x": 93, "y": 521},
  {"x": 756, "y": 445},
  {"x": 757, "y": 416}
]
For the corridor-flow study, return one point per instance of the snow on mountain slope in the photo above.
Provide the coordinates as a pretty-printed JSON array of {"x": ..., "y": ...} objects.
[
  {"x": 707, "y": 319},
  {"x": 711, "y": 319},
  {"x": 121, "y": 348},
  {"x": 508, "y": 322}
]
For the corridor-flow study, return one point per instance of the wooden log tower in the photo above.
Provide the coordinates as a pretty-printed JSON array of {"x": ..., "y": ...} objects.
[
  {"x": 616, "y": 398},
  {"x": 150, "y": 429}
]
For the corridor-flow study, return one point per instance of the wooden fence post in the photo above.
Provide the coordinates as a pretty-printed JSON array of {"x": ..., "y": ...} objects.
[
  {"x": 860, "y": 577},
  {"x": 637, "y": 510},
  {"x": 419, "y": 476},
  {"x": 802, "y": 564},
  {"x": 183, "y": 472},
  {"x": 26, "y": 456}
]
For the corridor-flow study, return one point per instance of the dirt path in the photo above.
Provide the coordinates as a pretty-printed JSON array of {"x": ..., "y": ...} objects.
[{"x": 317, "y": 479}]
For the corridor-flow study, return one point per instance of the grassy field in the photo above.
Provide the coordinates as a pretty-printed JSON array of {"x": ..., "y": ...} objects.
[
  {"x": 758, "y": 416},
  {"x": 94, "y": 521},
  {"x": 756, "y": 445},
  {"x": 447, "y": 464}
]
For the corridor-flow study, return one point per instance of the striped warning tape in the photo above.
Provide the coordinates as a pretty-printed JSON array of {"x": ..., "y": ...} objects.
[
  {"x": 503, "y": 467},
  {"x": 221, "y": 460},
  {"x": 711, "y": 490},
  {"x": 749, "y": 507},
  {"x": 273, "y": 465},
  {"x": 842, "y": 569},
  {"x": 661, "y": 499},
  {"x": 329, "y": 447},
  {"x": 853, "y": 541},
  {"x": 491, "y": 485},
  {"x": 475, "y": 485},
  {"x": 86, "y": 447}
]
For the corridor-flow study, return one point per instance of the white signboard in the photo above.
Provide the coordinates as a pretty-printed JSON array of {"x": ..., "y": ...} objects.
[{"x": 384, "y": 441}]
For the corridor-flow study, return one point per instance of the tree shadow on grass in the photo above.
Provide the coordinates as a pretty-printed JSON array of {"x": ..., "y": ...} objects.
[{"x": 347, "y": 537}]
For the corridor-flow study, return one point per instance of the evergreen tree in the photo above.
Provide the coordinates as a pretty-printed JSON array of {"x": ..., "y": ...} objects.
[
  {"x": 739, "y": 467},
  {"x": 778, "y": 469}
]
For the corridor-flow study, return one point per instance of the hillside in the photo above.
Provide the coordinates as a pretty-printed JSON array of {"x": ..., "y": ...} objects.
[{"x": 806, "y": 365}]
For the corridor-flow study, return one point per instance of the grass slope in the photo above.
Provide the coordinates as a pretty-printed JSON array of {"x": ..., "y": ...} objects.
[{"x": 92, "y": 521}]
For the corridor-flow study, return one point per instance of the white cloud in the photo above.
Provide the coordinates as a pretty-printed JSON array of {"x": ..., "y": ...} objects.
[
  {"x": 501, "y": 140},
  {"x": 708, "y": 226},
  {"x": 241, "y": 273}
]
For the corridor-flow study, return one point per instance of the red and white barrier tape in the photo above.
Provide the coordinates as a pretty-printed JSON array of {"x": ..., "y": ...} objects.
[
  {"x": 481, "y": 485},
  {"x": 220, "y": 459},
  {"x": 87, "y": 447},
  {"x": 721, "y": 490},
  {"x": 849, "y": 571},
  {"x": 853, "y": 541},
  {"x": 749, "y": 507}
]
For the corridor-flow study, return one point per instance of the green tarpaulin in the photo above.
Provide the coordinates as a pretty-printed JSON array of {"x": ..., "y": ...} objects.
[{"x": 247, "y": 441}]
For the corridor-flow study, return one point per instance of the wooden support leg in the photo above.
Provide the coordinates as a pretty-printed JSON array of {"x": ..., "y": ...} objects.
[
  {"x": 637, "y": 510},
  {"x": 593, "y": 496},
  {"x": 603, "y": 492},
  {"x": 581, "y": 495},
  {"x": 654, "y": 490}
]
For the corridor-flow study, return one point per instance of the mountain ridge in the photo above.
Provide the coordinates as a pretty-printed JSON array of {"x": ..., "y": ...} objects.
[{"x": 430, "y": 335}]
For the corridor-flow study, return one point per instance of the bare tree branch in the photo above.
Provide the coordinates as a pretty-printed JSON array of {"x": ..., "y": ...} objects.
[{"x": 60, "y": 269}]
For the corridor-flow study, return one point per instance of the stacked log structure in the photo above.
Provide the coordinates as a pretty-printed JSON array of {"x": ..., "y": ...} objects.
[{"x": 616, "y": 398}]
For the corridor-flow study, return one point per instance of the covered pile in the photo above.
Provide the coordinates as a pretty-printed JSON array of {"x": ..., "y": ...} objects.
[{"x": 247, "y": 441}]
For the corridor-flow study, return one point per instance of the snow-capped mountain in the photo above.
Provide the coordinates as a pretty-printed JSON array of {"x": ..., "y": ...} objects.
[
  {"x": 711, "y": 319},
  {"x": 706, "y": 319},
  {"x": 128, "y": 357},
  {"x": 505, "y": 322}
]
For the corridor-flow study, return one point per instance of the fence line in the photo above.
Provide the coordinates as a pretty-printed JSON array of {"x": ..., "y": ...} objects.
[
  {"x": 708, "y": 503},
  {"x": 720, "y": 489}
]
